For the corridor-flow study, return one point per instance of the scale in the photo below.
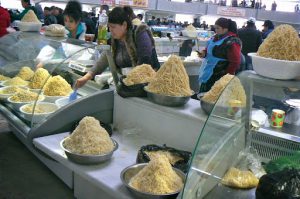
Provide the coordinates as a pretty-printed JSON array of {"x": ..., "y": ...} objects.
[{"x": 81, "y": 65}]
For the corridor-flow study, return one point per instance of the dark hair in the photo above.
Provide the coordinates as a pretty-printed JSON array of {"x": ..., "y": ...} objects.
[
  {"x": 227, "y": 23},
  {"x": 129, "y": 12},
  {"x": 27, "y": 1},
  {"x": 140, "y": 16},
  {"x": 47, "y": 8},
  {"x": 105, "y": 7},
  {"x": 119, "y": 16},
  {"x": 269, "y": 24},
  {"x": 73, "y": 10}
]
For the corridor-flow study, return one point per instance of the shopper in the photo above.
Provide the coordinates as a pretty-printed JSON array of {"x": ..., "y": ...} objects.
[
  {"x": 72, "y": 17},
  {"x": 274, "y": 6},
  {"x": 268, "y": 27},
  {"x": 131, "y": 46},
  {"x": 4, "y": 21},
  {"x": 27, "y": 6},
  {"x": 49, "y": 17},
  {"x": 251, "y": 40},
  {"x": 222, "y": 54},
  {"x": 196, "y": 23}
]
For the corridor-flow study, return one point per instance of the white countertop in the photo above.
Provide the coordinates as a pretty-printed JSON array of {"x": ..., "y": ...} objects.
[{"x": 105, "y": 175}]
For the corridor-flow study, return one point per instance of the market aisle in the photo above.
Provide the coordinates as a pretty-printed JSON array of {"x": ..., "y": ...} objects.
[{"x": 22, "y": 175}]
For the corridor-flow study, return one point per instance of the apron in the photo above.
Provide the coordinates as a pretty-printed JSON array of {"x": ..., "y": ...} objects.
[{"x": 210, "y": 61}]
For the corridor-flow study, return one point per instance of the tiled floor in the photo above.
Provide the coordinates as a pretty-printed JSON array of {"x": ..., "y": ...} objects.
[{"x": 22, "y": 175}]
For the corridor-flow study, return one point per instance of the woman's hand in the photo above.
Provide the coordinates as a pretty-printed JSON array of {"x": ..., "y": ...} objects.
[
  {"x": 39, "y": 65},
  {"x": 82, "y": 81}
]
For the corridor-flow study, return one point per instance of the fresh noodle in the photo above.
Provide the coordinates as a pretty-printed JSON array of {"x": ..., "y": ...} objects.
[
  {"x": 140, "y": 74},
  {"x": 283, "y": 43},
  {"x": 171, "y": 79}
]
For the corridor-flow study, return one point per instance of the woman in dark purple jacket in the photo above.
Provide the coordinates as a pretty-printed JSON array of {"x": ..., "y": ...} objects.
[{"x": 131, "y": 45}]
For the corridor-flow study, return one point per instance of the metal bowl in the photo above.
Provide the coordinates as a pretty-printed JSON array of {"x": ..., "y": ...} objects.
[
  {"x": 132, "y": 170},
  {"x": 88, "y": 159},
  {"x": 167, "y": 100}
]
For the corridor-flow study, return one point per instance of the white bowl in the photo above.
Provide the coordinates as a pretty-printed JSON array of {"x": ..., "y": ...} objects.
[
  {"x": 275, "y": 68},
  {"x": 52, "y": 99},
  {"x": 5, "y": 96},
  {"x": 29, "y": 26},
  {"x": 17, "y": 105},
  {"x": 38, "y": 117}
]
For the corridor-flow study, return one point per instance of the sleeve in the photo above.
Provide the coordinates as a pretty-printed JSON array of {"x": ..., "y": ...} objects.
[
  {"x": 100, "y": 65},
  {"x": 144, "y": 48},
  {"x": 259, "y": 40},
  {"x": 234, "y": 58}
]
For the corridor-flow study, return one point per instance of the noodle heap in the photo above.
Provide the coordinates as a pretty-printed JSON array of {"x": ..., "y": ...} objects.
[
  {"x": 39, "y": 78},
  {"x": 283, "y": 43},
  {"x": 25, "y": 73},
  {"x": 139, "y": 75},
  {"x": 171, "y": 79},
  {"x": 4, "y": 78},
  {"x": 234, "y": 91},
  {"x": 191, "y": 28},
  {"x": 11, "y": 90},
  {"x": 25, "y": 96},
  {"x": 57, "y": 86},
  {"x": 157, "y": 177},
  {"x": 39, "y": 108},
  {"x": 30, "y": 17},
  {"x": 16, "y": 81},
  {"x": 89, "y": 138}
]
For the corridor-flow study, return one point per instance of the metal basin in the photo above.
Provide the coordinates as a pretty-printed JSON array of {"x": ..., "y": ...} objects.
[
  {"x": 88, "y": 159},
  {"x": 132, "y": 170},
  {"x": 167, "y": 100}
]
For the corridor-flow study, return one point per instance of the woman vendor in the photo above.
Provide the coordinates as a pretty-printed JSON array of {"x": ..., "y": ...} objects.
[
  {"x": 27, "y": 6},
  {"x": 72, "y": 17},
  {"x": 222, "y": 54},
  {"x": 131, "y": 45}
]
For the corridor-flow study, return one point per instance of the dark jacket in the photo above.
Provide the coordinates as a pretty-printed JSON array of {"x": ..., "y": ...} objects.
[
  {"x": 50, "y": 19},
  {"x": 139, "y": 48},
  {"x": 251, "y": 39}
]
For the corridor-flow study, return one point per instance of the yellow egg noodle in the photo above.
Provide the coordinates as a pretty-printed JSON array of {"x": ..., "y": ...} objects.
[
  {"x": 57, "y": 86},
  {"x": 30, "y": 17},
  {"x": 38, "y": 109},
  {"x": 25, "y": 73},
  {"x": 25, "y": 96},
  {"x": 282, "y": 43},
  {"x": 239, "y": 179},
  {"x": 16, "y": 81},
  {"x": 11, "y": 90},
  {"x": 234, "y": 91},
  {"x": 89, "y": 138},
  {"x": 171, "y": 79},
  {"x": 39, "y": 79},
  {"x": 140, "y": 74},
  {"x": 171, "y": 157},
  {"x": 158, "y": 177},
  {"x": 4, "y": 78}
]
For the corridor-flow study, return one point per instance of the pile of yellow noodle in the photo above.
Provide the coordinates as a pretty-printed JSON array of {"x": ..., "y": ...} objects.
[
  {"x": 283, "y": 43},
  {"x": 30, "y": 17},
  {"x": 39, "y": 79},
  {"x": 16, "y": 81},
  {"x": 57, "y": 86},
  {"x": 140, "y": 74},
  {"x": 25, "y": 73},
  {"x": 231, "y": 89},
  {"x": 171, "y": 79}
]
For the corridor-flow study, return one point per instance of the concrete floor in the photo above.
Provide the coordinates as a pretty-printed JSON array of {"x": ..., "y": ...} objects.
[{"x": 22, "y": 175}]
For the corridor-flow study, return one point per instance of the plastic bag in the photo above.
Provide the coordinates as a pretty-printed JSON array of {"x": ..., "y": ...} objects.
[
  {"x": 279, "y": 185},
  {"x": 136, "y": 90},
  {"x": 182, "y": 164}
]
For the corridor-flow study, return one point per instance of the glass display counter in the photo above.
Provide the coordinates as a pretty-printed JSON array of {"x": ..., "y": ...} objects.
[
  {"x": 231, "y": 130},
  {"x": 48, "y": 87}
]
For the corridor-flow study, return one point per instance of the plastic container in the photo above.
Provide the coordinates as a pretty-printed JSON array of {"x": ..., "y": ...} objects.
[
  {"x": 275, "y": 68},
  {"x": 29, "y": 26},
  {"x": 102, "y": 28}
]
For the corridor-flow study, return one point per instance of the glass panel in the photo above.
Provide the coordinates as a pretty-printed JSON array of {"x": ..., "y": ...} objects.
[
  {"x": 219, "y": 142},
  {"x": 25, "y": 49}
]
